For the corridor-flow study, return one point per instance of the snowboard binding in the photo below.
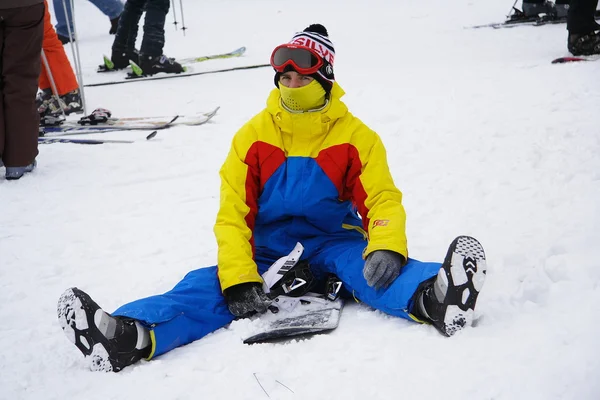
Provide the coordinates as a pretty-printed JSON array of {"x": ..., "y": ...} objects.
[{"x": 299, "y": 306}]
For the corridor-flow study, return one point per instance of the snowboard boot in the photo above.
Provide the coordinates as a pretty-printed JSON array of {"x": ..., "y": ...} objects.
[
  {"x": 112, "y": 342},
  {"x": 584, "y": 45},
  {"x": 14, "y": 173},
  {"x": 151, "y": 65},
  {"x": 120, "y": 59},
  {"x": 448, "y": 301}
]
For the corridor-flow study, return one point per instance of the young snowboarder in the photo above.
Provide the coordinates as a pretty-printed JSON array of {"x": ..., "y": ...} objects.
[{"x": 303, "y": 170}]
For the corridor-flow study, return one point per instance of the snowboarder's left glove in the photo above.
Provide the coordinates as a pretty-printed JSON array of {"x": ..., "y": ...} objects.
[
  {"x": 382, "y": 267},
  {"x": 246, "y": 299}
]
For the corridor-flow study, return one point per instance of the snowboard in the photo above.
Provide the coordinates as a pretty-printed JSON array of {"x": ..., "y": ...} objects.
[
  {"x": 296, "y": 309},
  {"x": 294, "y": 316}
]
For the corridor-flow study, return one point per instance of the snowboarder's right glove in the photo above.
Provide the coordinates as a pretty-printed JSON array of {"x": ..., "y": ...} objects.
[
  {"x": 382, "y": 267},
  {"x": 246, "y": 299}
]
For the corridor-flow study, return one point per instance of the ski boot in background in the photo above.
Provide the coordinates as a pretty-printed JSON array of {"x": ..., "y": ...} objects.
[
  {"x": 560, "y": 10},
  {"x": 584, "y": 45},
  {"x": 72, "y": 101},
  {"x": 150, "y": 65},
  {"x": 448, "y": 300},
  {"x": 14, "y": 173},
  {"x": 50, "y": 108},
  {"x": 42, "y": 99},
  {"x": 119, "y": 60},
  {"x": 535, "y": 8},
  {"x": 518, "y": 17},
  {"x": 546, "y": 11}
]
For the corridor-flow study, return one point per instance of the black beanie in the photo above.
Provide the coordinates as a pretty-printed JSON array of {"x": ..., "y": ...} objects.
[{"x": 316, "y": 38}]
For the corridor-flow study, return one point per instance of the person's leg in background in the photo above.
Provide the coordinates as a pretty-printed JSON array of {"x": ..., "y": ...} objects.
[
  {"x": 152, "y": 59},
  {"x": 123, "y": 48},
  {"x": 62, "y": 73},
  {"x": 111, "y": 8},
  {"x": 22, "y": 34},
  {"x": 582, "y": 26}
]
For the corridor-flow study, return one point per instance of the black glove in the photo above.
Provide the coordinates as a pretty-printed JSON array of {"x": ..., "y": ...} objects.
[
  {"x": 246, "y": 299},
  {"x": 382, "y": 267}
]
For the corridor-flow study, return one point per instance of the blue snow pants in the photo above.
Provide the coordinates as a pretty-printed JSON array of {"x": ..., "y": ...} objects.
[
  {"x": 196, "y": 307},
  {"x": 111, "y": 8}
]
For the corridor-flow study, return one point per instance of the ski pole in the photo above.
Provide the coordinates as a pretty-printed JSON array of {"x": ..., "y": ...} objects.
[
  {"x": 52, "y": 83},
  {"x": 511, "y": 9},
  {"x": 75, "y": 51},
  {"x": 183, "y": 27},
  {"x": 78, "y": 68},
  {"x": 174, "y": 13}
]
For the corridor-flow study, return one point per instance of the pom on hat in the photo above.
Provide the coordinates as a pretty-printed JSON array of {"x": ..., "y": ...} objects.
[
  {"x": 316, "y": 37},
  {"x": 317, "y": 28}
]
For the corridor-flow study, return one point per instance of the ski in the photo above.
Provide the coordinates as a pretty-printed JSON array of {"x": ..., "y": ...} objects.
[
  {"x": 194, "y": 119},
  {"x": 45, "y": 140},
  {"x": 530, "y": 21},
  {"x": 108, "y": 65},
  {"x": 235, "y": 53},
  {"x": 518, "y": 19},
  {"x": 506, "y": 24},
  {"x": 128, "y": 124},
  {"x": 50, "y": 140},
  {"x": 71, "y": 128},
  {"x": 572, "y": 59},
  {"x": 181, "y": 75}
]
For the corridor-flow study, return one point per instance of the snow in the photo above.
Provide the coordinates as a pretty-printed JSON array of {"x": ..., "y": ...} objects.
[{"x": 485, "y": 138}]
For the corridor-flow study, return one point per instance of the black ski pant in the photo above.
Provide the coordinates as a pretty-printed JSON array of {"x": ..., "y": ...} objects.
[
  {"x": 21, "y": 34},
  {"x": 580, "y": 19},
  {"x": 154, "y": 27}
]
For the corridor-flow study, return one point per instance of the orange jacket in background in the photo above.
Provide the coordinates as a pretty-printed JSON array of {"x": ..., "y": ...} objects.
[{"x": 61, "y": 68}]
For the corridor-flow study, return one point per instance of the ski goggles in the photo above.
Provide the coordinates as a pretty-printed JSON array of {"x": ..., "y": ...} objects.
[{"x": 305, "y": 61}]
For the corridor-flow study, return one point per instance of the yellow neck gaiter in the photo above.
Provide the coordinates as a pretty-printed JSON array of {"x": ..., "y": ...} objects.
[{"x": 309, "y": 97}]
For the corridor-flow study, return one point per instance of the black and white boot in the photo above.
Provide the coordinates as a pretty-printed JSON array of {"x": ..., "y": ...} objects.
[
  {"x": 153, "y": 65},
  {"x": 448, "y": 302},
  {"x": 584, "y": 45},
  {"x": 112, "y": 342}
]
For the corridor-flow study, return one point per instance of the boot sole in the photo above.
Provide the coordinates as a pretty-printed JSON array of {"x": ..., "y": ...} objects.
[
  {"x": 76, "y": 311},
  {"x": 463, "y": 272}
]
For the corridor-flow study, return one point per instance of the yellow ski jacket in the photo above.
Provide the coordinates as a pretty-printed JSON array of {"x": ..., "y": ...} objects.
[{"x": 307, "y": 177}]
